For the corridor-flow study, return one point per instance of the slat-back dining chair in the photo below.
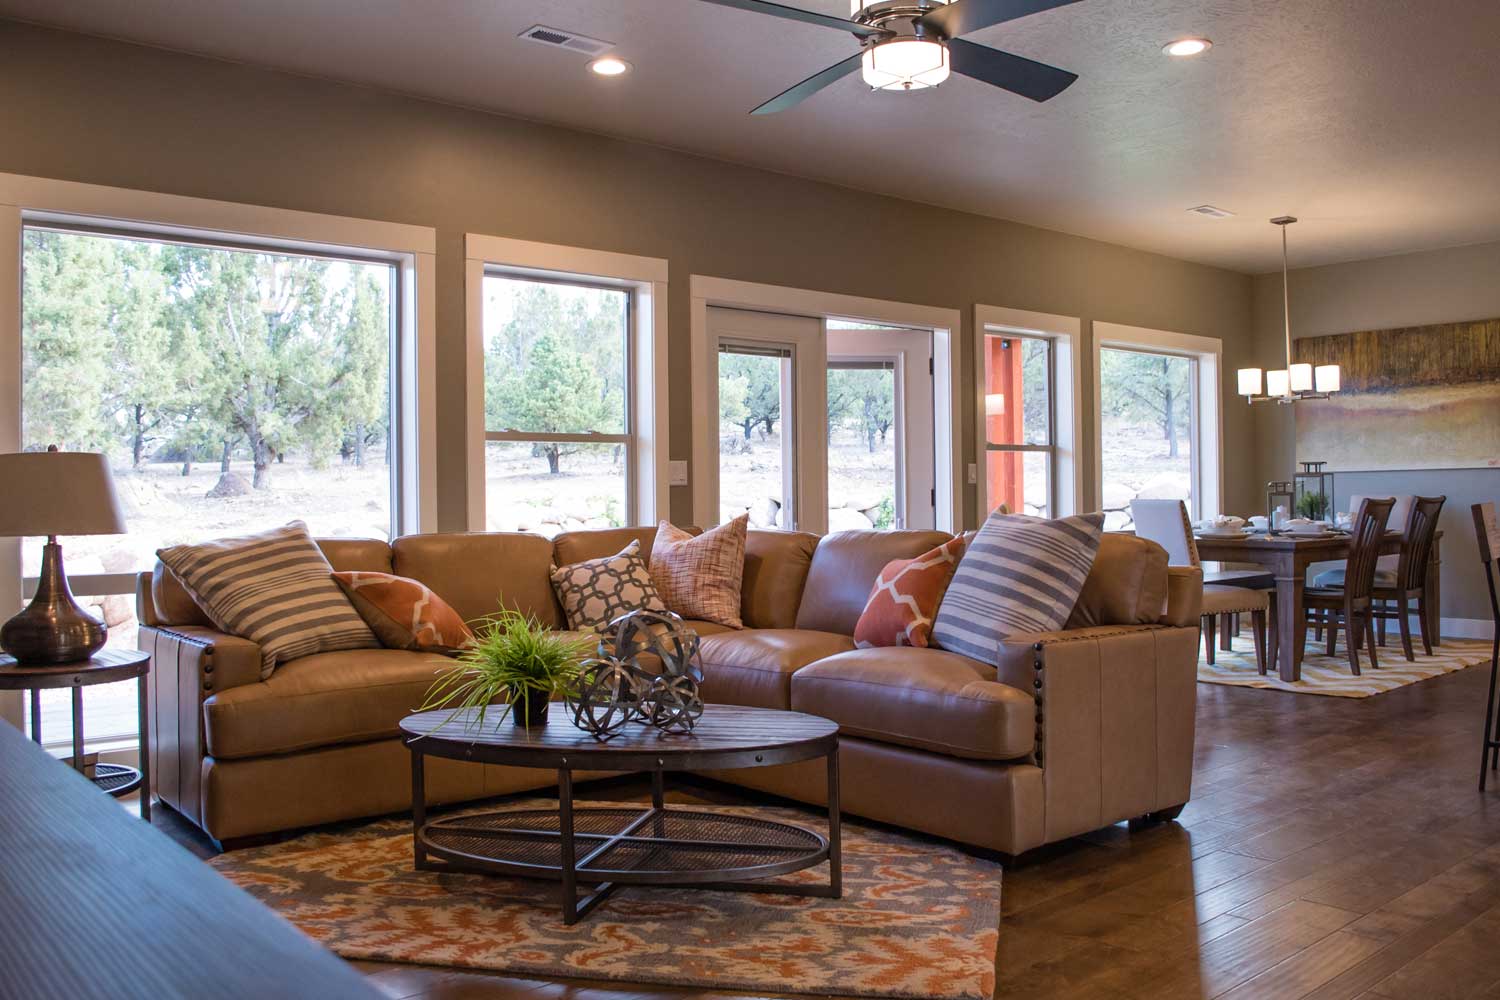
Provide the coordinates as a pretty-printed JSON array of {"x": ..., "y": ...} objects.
[
  {"x": 1487, "y": 530},
  {"x": 1409, "y": 582},
  {"x": 1353, "y": 603},
  {"x": 1166, "y": 523}
]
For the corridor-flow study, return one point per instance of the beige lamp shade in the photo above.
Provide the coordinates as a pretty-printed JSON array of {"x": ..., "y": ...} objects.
[{"x": 58, "y": 493}]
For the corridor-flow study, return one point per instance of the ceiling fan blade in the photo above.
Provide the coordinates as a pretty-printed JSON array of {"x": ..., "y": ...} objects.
[
  {"x": 809, "y": 87},
  {"x": 798, "y": 14},
  {"x": 1016, "y": 74},
  {"x": 964, "y": 16}
]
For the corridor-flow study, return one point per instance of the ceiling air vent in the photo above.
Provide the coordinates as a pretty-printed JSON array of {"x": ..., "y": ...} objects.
[
  {"x": 558, "y": 39},
  {"x": 1210, "y": 212}
]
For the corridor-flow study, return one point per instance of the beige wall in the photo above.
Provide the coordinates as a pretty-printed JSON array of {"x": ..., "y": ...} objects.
[
  {"x": 1438, "y": 286},
  {"x": 108, "y": 113}
]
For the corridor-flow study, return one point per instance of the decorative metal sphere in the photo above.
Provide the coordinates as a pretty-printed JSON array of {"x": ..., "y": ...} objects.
[
  {"x": 610, "y": 695},
  {"x": 616, "y": 687}
]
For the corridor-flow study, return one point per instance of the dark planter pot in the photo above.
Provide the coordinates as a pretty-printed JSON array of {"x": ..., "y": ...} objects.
[{"x": 530, "y": 709}]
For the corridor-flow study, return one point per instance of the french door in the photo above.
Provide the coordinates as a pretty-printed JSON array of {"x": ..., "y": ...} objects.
[{"x": 822, "y": 426}]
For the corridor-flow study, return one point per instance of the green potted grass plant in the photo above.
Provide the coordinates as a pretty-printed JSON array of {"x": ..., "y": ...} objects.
[{"x": 512, "y": 660}]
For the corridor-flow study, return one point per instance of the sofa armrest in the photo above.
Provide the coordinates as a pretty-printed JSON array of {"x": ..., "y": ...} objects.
[
  {"x": 1184, "y": 596},
  {"x": 1115, "y": 712},
  {"x": 188, "y": 663}
]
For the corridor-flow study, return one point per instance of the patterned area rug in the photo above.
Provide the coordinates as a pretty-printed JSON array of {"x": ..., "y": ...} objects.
[
  {"x": 917, "y": 919},
  {"x": 1330, "y": 675}
]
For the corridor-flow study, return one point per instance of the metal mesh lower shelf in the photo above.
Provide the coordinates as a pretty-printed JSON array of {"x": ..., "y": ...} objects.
[
  {"x": 629, "y": 844},
  {"x": 116, "y": 779}
]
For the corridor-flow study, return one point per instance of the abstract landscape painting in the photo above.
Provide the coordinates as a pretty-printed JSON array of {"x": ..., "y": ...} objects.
[{"x": 1423, "y": 397}]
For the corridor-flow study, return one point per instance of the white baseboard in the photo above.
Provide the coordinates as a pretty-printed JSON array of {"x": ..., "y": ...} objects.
[{"x": 1467, "y": 628}]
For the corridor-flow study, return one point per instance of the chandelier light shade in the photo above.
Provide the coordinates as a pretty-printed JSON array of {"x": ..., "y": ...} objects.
[
  {"x": 905, "y": 64},
  {"x": 1295, "y": 381}
]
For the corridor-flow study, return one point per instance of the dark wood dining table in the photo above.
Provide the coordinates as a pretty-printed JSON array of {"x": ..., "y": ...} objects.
[{"x": 1288, "y": 558}]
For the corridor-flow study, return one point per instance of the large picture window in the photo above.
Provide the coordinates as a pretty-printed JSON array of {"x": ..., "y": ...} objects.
[
  {"x": 557, "y": 405},
  {"x": 1148, "y": 430},
  {"x": 233, "y": 389}
]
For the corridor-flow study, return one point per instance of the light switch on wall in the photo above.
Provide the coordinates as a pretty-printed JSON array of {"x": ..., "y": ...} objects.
[
  {"x": 973, "y": 474},
  {"x": 677, "y": 473}
]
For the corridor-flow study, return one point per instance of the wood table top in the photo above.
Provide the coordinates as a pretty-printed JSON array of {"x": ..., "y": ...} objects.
[
  {"x": 104, "y": 667},
  {"x": 100, "y": 905}
]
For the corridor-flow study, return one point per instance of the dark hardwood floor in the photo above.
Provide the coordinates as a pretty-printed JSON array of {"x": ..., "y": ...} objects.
[{"x": 1334, "y": 849}]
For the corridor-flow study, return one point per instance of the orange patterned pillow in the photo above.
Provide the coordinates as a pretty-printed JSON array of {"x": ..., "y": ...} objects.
[
  {"x": 700, "y": 576},
  {"x": 906, "y": 596},
  {"x": 403, "y": 613}
]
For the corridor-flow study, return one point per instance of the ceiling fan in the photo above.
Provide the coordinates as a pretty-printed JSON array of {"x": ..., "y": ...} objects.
[{"x": 914, "y": 44}]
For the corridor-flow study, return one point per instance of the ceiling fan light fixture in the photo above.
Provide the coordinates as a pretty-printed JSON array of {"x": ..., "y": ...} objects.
[
  {"x": 905, "y": 64},
  {"x": 1184, "y": 47}
]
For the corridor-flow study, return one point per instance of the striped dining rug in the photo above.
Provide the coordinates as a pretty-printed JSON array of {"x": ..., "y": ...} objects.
[
  {"x": 1330, "y": 675},
  {"x": 918, "y": 919}
]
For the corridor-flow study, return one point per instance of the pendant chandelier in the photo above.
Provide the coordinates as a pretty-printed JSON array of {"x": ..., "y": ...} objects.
[{"x": 1295, "y": 381}]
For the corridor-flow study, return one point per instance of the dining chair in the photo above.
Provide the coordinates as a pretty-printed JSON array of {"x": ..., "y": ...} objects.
[
  {"x": 1166, "y": 523},
  {"x": 1352, "y": 604},
  {"x": 1487, "y": 530}
]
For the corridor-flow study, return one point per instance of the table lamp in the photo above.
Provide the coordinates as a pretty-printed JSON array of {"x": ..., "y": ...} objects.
[{"x": 56, "y": 493}]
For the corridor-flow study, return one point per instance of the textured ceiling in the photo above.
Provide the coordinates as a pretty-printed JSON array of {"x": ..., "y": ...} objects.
[{"x": 1377, "y": 122}]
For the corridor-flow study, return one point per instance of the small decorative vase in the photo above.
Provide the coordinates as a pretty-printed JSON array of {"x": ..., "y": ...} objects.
[{"x": 529, "y": 709}]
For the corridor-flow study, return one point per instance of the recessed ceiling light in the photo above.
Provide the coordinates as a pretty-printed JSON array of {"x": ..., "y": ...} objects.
[
  {"x": 1187, "y": 47},
  {"x": 610, "y": 66}
]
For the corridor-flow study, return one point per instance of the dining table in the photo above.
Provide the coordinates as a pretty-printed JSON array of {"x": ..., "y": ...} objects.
[{"x": 1288, "y": 556}]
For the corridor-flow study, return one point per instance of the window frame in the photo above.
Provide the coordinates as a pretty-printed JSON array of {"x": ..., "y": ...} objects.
[
  {"x": 44, "y": 202},
  {"x": 1206, "y": 405},
  {"x": 629, "y": 437},
  {"x": 646, "y": 478},
  {"x": 1065, "y": 402}
]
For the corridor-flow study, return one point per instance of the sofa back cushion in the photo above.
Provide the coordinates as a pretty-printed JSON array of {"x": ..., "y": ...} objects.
[
  {"x": 1126, "y": 586},
  {"x": 776, "y": 566},
  {"x": 173, "y": 605},
  {"x": 477, "y": 572},
  {"x": 843, "y": 572},
  {"x": 580, "y": 546}
]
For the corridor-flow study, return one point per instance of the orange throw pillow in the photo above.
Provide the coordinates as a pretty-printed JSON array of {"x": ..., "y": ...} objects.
[
  {"x": 403, "y": 613},
  {"x": 906, "y": 596},
  {"x": 699, "y": 576}
]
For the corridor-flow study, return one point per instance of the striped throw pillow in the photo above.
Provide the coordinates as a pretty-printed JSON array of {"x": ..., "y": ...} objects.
[
  {"x": 274, "y": 588},
  {"x": 1019, "y": 574}
]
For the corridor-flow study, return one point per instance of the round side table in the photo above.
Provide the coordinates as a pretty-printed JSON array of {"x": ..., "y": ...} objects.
[{"x": 103, "y": 667}]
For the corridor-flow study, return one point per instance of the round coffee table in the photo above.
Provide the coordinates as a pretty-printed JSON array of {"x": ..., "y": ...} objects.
[{"x": 610, "y": 846}]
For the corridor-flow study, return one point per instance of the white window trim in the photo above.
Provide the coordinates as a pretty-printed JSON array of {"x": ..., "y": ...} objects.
[
  {"x": 1209, "y": 420},
  {"x": 945, "y": 325},
  {"x": 1066, "y": 335},
  {"x": 411, "y": 249},
  {"x": 647, "y": 278}
]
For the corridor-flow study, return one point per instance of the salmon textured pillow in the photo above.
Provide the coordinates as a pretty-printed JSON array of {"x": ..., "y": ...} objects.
[
  {"x": 905, "y": 598},
  {"x": 699, "y": 576},
  {"x": 404, "y": 613}
]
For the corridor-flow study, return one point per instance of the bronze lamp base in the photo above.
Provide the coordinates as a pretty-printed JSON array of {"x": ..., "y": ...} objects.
[{"x": 53, "y": 628}]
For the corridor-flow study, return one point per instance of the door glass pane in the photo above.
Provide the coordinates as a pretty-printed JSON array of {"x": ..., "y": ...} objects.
[
  {"x": 1146, "y": 432},
  {"x": 554, "y": 357},
  {"x": 752, "y": 451},
  {"x": 862, "y": 446},
  {"x": 523, "y": 493},
  {"x": 1017, "y": 402}
]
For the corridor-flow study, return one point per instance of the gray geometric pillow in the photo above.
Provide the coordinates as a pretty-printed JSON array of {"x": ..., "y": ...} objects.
[
  {"x": 595, "y": 592},
  {"x": 1019, "y": 574}
]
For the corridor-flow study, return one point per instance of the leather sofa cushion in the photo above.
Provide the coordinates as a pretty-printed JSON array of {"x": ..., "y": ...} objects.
[
  {"x": 576, "y": 546},
  {"x": 476, "y": 572},
  {"x": 843, "y": 571},
  {"x": 755, "y": 667},
  {"x": 362, "y": 555},
  {"x": 776, "y": 565},
  {"x": 328, "y": 698},
  {"x": 925, "y": 698},
  {"x": 1126, "y": 586}
]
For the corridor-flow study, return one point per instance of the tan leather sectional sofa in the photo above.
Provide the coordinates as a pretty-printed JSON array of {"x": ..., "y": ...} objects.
[{"x": 1076, "y": 729}]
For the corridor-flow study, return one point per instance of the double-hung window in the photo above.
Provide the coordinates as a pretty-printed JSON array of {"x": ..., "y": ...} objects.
[
  {"x": 558, "y": 428},
  {"x": 1149, "y": 430},
  {"x": 1018, "y": 401}
]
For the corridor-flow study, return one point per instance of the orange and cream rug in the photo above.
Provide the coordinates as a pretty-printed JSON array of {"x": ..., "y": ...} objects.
[
  {"x": 1330, "y": 675},
  {"x": 917, "y": 919}
]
